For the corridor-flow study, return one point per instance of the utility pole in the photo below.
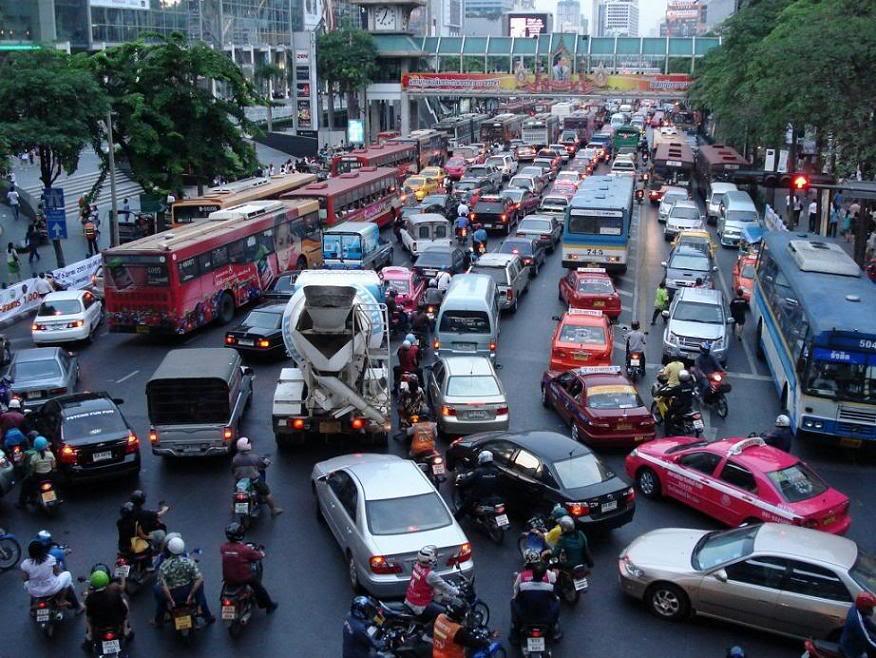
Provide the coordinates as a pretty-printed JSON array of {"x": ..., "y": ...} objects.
[{"x": 114, "y": 216}]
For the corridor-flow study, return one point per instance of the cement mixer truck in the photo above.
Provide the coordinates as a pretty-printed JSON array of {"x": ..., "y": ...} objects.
[{"x": 335, "y": 327}]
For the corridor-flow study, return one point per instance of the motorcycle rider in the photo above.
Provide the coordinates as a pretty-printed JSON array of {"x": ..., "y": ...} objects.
[
  {"x": 421, "y": 325},
  {"x": 461, "y": 223},
  {"x": 238, "y": 563},
  {"x": 781, "y": 435},
  {"x": 534, "y": 601},
  {"x": 12, "y": 417},
  {"x": 704, "y": 365},
  {"x": 572, "y": 548},
  {"x": 43, "y": 577},
  {"x": 395, "y": 312},
  {"x": 360, "y": 630},
  {"x": 479, "y": 239},
  {"x": 553, "y": 535},
  {"x": 180, "y": 583},
  {"x": 40, "y": 464},
  {"x": 149, "y": 520},
  {"x": 433, "y": 296},
  {"x": 451, "y": 638},
  {"x": 636, "y": 342},
  {"x": 679, "y": 398},
  {"x": 412, "y": 399},
  {"x": 105, "y": 607},
  {"x": 425, "y": 583},
  {"x": 423, "y": 436},
  {"x": 55, "y": 549},
  {"x": 249, "y": 465},
  {"x": 133, "y": 540},
  {"x": 408, "y": 362},
  {"x": 858, "y": 639},
  {"x": 479, "y": 484},
  {"x": 462, "y": 209},
  {"x": 443, "y": 280},
  {"x": 736, "y": 652},
  {"x": 671, "y": 370}
]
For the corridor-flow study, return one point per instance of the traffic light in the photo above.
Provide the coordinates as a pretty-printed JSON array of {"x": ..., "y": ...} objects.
[
  {"x": 776, "y": 179},
  {"x": 800, "y": 182}
]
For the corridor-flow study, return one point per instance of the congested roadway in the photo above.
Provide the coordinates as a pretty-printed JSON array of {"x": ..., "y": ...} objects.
[{"x": 306, "y": 573}]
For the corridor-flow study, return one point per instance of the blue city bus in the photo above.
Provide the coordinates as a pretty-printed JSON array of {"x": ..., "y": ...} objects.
[
  {"x": 597, "y": 223},
  {"x": 815, "y": 315}
]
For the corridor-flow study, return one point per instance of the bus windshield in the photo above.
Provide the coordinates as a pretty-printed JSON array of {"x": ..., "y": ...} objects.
[
  {"x": 346, "y": 165},
  {"x": 342, "y": 245},
  {"x": 582, "y": 223},
  {"x": 850, "y": 381}
]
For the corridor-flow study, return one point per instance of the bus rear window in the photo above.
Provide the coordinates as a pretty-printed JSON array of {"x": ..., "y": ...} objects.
[
  {"x": 465, "y": 322},
  {"x": 132, "y": 271},
  {"x": 587, "y": 225}
]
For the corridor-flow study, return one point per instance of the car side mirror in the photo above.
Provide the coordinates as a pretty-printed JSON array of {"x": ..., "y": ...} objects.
[
  {"x": 665, "y": 314},
  {"x": 714, "y": 268},
  {"x": 663, "y": 263},
  {"x": 118, "y": 401},
  {"x": 731, "y": 321},
  {"x": 247, "y": 370},
  {"x": 720, "y": 575}
]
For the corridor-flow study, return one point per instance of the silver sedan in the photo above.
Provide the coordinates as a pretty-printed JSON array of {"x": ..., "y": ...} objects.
[
  {"x": 382, "y": 510},
  {"x": 467, "y": 395},
  {"x": 41, "y": 373}
]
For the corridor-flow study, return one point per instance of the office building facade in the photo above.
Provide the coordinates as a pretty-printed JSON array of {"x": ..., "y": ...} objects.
[
  {"x": 616, "y": 18},
  {"x": 568, "y": 16}
]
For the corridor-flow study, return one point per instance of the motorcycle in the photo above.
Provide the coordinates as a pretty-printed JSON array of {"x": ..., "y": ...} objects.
[
  {"x": 714, "y": 396},
  {"x": 532, "y": 537},
  {"x": 183, "y": 617},
  {"x": 535, "y": 641},
  {"x": 572, "y": 580},
  {"x": 488, "y": 515},
  {"x": 237, "y": 601},
  {"x": 246, "y": 503},
  {"x": 401, "y": 642},
  {"x": 821, "y": 649},
  {"x": 636, "y": 366},
  {"x": 10, "y": 551},
  {"x": 399, "y": 321},
  {"x": 108, "y": 643},
  {"x": 461, "y": 235},
  {"x": 688, "y": 423},
  {"x": 47, "y": 497},
  {"x": 47, "y": 611},
  {"x": 133, "y": 571}
]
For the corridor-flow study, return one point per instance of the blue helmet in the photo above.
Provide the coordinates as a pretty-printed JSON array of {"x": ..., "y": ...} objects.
[
  {"x": 411, "y": 339},
  {"x": 735, "y": 652},
  {"x": 40, "y": 443},
  {"x": 362, "y": 607}
]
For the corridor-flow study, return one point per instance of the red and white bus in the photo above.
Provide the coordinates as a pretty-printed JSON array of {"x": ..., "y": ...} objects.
[
  {"x": 582, "y": 123},
  {"x": 502, "y": 128},
  {"x": 370, "y": 194},
  {"x": 176, "y": 281},
  {"x": 403, "y": 157},
  {"x": 517, "y": 107},
  {"x": 431, "y": 146}
]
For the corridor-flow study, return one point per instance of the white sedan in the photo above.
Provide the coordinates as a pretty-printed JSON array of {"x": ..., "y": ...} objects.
[{"x": 67, "y": 316}]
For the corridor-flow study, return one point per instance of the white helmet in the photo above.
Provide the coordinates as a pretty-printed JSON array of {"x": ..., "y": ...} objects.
[
  {"x": 428, "y": 555},
  {"x": 566, "y": 523},
  {"x": 15, "y": 403},
  {"x": 176, "y": 546},
  {"x": 243, "y": 444},
  {"x": 485, "y": 457},
  {"x": 406, "y": 344},
  {"x": 683, "y": 376},
  {"x": 783, "y": 421}
]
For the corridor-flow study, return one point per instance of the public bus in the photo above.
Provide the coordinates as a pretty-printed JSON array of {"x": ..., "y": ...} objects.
[
  {"x": 815, "y": 322},
  {"x": 402, "y": 157},
  {"x": 369, "y": 194},
  {"x": 673, "y": 164},
  {"x": 626, "y": 137},
  {"x": 431, "y": 146},
  {"x": 186, "y": 211},
  {"x": 501, "y": 128},
  {"x": 597, "y": 223},
  {"x": 715, "y": 162},
  {"x": 581, "y": 123},
  {"x": 174, "y": 282},
  {"x": 517, "y": 107},
  {"x": 463, "y": 128},
  {"x": 541, "y": 130},
  {"x": 543, "y": 106}
]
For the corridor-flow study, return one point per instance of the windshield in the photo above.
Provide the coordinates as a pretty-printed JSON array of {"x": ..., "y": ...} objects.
[
  {"x": 465, "y": 322},
  {"x": 433, "y": 258},
  {"x": 853, "y": 380},
  {"x": 583, "y": 224},
  {"x": 535, "y": 225},
  {"x": 401, "y": 516},
  {"x": 498, "y": 274},
  {"x": 569, "y": 136},
  {"x": 595, "y": 286},
  {"x": 742, "y": 216},
  {"x": 583, "y": 335},
  {"x": 532, "y": 171},
  {"x": 479, "y": 170},
  {"x": 515, "y": 196},
  {"x": 465, "y": 185},
  {"x": 284, "y": 283},
  {"x": 863, "y": 571},
  {"x": 747, "y": 272},
  {"x": 490, "y": 207},
  {"x": 264, "y": 320},
  {"x": 496, "y": 162},
  {"x": 94, "y": 423},
  {"x": 683, "y": 212},
  {"x": 568, "y": 177},
  {"x": 472, "y": 386},
  {"x": 455, "y": 163},
  {"x": 414, "y": 183},
  {"x": 35, "y": 370},
  {"x": 723, "y": 546},
  {"x": 554, "y": 202},
  {"x": 60, "y": 307},
  {"x": 525, "y": 183},
  {"x": 691, "y": 262},
  {"x": 671, "y": 197},
  {"x": 338, "y": 245},
  {"x": 613, "y": 397},
  {"x": 582, "y": 471},
  {"x": 434, "y": 200},
  {"x": 696, "y": 312},
  {"x": 797, "y": 482},
  {"x": 401, "y": 286},
  {"x": 523, "y": 247}
]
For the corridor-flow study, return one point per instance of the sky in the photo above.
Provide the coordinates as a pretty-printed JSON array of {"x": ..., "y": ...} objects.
[{"x": 650, "y": 13}]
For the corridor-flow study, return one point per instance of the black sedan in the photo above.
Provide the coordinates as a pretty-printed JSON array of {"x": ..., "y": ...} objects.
[
  {"x": 434, "y": 259},
  {"x": 89, "y": 436},
  {"x": 283, "y": 287},
  {"x": 260, "y": 332},
  {"x": 443, "y": 204},
  {"x": 531, "y": 252},
  {"x": 540, "y": 469}
]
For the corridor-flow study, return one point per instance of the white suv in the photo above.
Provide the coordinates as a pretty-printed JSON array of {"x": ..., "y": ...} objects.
[
  {"x": 504, "y": 163},
  {"x": 696, "y": 316}
]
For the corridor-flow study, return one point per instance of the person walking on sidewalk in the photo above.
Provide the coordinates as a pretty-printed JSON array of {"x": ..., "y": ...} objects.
[
  {"x": 813, "y": 217},
  {"x": 14, "y": 202},
  {"x": 32, "y": 239},
  {"x": 661, "y": 301},
  {"x": 13, "y": 262}
]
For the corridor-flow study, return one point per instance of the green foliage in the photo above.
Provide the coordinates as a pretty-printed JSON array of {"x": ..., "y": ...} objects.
[
  {"x": 472, "y": 64},
  {"x": 50, "y": 103},
  {"x": 167, "y": 122},
  {"x": 347, "y": 58}
]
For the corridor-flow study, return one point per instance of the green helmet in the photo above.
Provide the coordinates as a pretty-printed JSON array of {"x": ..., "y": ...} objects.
[
  {"x": 558, "y": 512},
  {"x": 99, "y": 579}
]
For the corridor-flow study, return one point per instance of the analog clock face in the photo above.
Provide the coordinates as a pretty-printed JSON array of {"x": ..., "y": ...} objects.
[{"x": 385, "y": 17}]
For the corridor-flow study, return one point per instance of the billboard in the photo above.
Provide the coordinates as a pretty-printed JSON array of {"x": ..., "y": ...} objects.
[
  {"x": 523, "y": 81},
  {"x": 121, "y": 4},
  {"x": 527, "y": 25}
]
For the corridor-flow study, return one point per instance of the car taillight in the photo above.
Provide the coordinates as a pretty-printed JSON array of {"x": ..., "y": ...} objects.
[
  {"x": 509, "y": 294},
  {"x": 132, "y": 444},
  {"x": 502, "y": 411},
  {"x": 462, "y": 555},
  {"x": 629, "y": 495},
  {"x": 382, "y": 566},
  {"x": 296, "y": 423},
  {"x": 436, "y": 344},
  {"x": 68, "y": 455},
  {"x": 578, "y": 509},
  {"x": 357, "y": 423},
  {"x": 153, "y": 436},
  {"x": 492, "y": 346},
  {"x": 471, "y": 215},
  {"x": 57, "y": 391},
  {"x": 75, "y": 324},
  {"x": 504, "y": 218},
  {"x": 227, "y": 434},
  {"x": 448, "y": 411},
  {"x": 38, "y": 327},
  {"x": 230, "y": 340},
  {"x": 264, "y": 342}
]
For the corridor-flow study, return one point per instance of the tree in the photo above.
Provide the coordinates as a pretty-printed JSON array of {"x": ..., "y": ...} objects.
[
  {"x": 346, "y": 58},
  {"x": 167, "y": 122},
  {"x": 265, "y": 73}
]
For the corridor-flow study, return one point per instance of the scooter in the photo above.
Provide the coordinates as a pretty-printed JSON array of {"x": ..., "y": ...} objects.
[
  {"x": 489, "y": 516},
  {"x": 636, "y": 366},
  {"x": 572, "y": 580},
  {"x": 47, "y": 498},
  {"x": 133, "y": 571},
  {"x": 108, "y": 643},
  {"x": 714, "y": 396},
  {"x": 246, "y": 503},
  {"x": 535, "y": 641},
  {"x": 47, "y": 611},
  {"x": 532, "y": 537},
  {"x": 238, "y": 600}
]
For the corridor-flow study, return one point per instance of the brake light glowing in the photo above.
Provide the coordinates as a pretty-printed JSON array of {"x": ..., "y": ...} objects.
[
  {"x": 492, "y": 346},
  {"x": 153, "y": 436},
  {"x": 448, "y": 411},
  {"x": 578, "y": 509},
  {"x": 297, "y": 423},
  {"x": 230, "y": 340},
  {"x": 109, "y": 635},
  {"x": 75, "y": 324},
  {"x": 462, "y": 555},
  {"x": 264, "y": 342},
  {"x": 357, "y": 423},
  {"x": 382, "y": 566},
  {"x": 535, "y": 632},
  {"x": 228, "y": 434},
  {"x": 133, "y": 443},
  {"x": 68, "y": 455},
  {"x": 436, "y": 344},
  {"x": 504, "y": 218},
  {"x": 227, "y": 602}
]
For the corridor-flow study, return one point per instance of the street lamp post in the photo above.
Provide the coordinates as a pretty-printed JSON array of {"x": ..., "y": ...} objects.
[{"x": 114, "y": 216}]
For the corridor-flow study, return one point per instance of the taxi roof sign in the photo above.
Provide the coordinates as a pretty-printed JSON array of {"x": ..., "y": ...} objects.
[
  {"x": 594, "y": 270},
  {"x": 752, "y": 442},
  {"x": 599, "y": 370},
  {"x": 585, "y": 311}
]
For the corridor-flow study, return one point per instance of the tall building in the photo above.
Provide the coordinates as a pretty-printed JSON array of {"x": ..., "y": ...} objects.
[
  {"x": 484, "y": 17},
  {"x": 568, "y": 16},
  {"x": 716, "y": 11},
  {"x": 616, "y": 18}
]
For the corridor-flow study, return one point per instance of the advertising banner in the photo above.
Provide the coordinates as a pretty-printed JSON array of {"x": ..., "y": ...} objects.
[
  {"x": 121, "y": 4},
  {"x": 78, "y": 275},
  {"x": 558, "y": 79}
]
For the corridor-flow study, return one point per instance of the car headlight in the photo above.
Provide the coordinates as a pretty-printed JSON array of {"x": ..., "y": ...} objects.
[
  {"x": 812, "y": 424},
  {"x": 631, "y": 569},
  {"x": 673, "y": 339}
]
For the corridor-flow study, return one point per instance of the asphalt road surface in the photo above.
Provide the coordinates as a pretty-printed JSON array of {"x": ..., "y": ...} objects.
[{"x": 304, "y": 569}]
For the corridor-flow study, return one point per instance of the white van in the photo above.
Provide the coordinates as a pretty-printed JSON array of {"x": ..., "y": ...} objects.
[
  {"x": 468, "y": 320},
  {"x": 714, "y": 198},
  {"x": 737, "y": 212}
]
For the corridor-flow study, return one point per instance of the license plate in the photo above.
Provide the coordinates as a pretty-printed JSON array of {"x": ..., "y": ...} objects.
[
  {"x": 438, "y": 469},
  {"x": 102, "y": 456},
  {"x": 502, "y": 520},
  {"x": 698, "y": 424},
  {"x": 581, "y": 356},
  {"x": 142, "y": 329},
  {"x": 42, "y": 614},
  {"x": 639, "y": 437},
  {"x": 182, "y": 623},
  {"x": 581, "y": 584},
  {"x": 49, "y": 496},
  {"x": 466, "y": 347},
  {"x": 35, "y": 395},
  {"x": 330, "y": 427},
  {"x": 609, "y": 506},
  {"x": 123, "y": 570},
  {"x": 598, "y": 304},
  {"x": 246, "y": 342},
  {"x": 477, "y": 414},
  {"x": 624, "y": 426},
  {"x": 111, "y": 646},
  {"x": 634, "y": 362},
  {"x": 851, "y": 443},
  {"x": 228, "y": 612},
  {"x": 241, "y": 508},
  {"x": 535, "y": 644}
]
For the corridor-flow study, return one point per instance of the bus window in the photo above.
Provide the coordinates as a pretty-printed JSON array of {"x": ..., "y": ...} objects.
[
  {"x": 220, "y": 257},
  {"x": 188, "y": 269},
  {"x": 351, "y": 246}
]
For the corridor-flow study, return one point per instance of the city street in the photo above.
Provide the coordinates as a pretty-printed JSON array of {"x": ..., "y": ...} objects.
[{"x": 304, "y": 570}]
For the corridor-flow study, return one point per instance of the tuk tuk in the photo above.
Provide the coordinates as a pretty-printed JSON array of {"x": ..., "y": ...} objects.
[
  {"x": 425, "y": 230},
  {"x": 355, "y": 246}
]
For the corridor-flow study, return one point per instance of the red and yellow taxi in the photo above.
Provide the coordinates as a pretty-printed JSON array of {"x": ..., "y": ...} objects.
[
  {"x": 455, "y": 167},
  {"x": 599, "y": 404},
  {"x": 408, "y": 285},
  {"x": 743, "y": 274},
  {"x": 736, "y": 480},
  {"x": 582, "y": 338},
  {"x": 590, "y": 288}
]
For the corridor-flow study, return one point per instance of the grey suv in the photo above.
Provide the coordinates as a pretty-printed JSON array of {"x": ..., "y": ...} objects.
[{"x": 696, "y": 316}]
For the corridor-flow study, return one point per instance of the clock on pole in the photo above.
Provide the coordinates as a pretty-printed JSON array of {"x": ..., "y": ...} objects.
[{"x": 389, "y": 16}]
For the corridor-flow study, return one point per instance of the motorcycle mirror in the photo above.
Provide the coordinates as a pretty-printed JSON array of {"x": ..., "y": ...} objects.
[
  {"x": 498, "y": 366},
  {"x": 555, "y": 318},
  {"x": 663, "y": 263},
  {"x": 714, "y": 268},
  {"x": 665, "y": 314},
  {"x": 731, "y": 321}
]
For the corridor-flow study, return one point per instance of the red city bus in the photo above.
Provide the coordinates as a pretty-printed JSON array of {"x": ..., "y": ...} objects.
[
  {"x": 715, "y": 162},
  {"x": 431, "y": 146},
  {"x": 369, "y": 194},
  {"x": 581, "y": 122},
  {"x": 517, "y": 107},
  {"x": 176, "y": 281},
  {"x": 391, "y": 154},
  {"x": 502, "y": 128}
]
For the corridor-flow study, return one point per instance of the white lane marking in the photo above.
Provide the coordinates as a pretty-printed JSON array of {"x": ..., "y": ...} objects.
[
  {"x": 624, "y": 293},
  {"x": 731, "y": 333},
  {"x": 639, "y": 261},
  {"x": 127, "y": 377}
]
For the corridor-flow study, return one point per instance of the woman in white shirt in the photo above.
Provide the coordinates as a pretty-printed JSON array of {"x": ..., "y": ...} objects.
[{"x": 42, "y": 576}]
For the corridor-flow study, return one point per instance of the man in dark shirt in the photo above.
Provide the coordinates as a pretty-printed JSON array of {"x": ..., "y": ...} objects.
[
  {"x": 737, "y": 311},
  {"x": 238, "y": 560},
  {"x": 127, "y": 527},
  {"x": 13, "y": 417},
  {"x": 105, "y": 608}
]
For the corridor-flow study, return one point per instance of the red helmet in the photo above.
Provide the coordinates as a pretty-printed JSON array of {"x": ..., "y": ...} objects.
[{"x": 865, "y": 602}]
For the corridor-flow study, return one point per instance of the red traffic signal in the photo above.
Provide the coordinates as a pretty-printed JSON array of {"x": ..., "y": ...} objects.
[{"x": 800, "y": 182}]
